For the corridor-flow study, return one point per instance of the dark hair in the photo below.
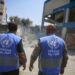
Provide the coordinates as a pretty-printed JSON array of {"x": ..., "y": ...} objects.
[{"x": 12, "y": 26}]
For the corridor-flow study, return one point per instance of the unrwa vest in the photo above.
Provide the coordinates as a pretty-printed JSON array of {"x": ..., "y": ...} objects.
[
  {"x": 9, "y": 59},
  {"x": 51, "y": 54}
]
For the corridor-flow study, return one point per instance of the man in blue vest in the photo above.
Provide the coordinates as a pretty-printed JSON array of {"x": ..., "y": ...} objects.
[
  {"x": 12, "y": 54},
  {"x": 52, "y": 54}
]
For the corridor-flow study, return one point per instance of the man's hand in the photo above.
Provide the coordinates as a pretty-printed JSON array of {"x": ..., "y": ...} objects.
[
  {"x": 62, "y": 71},
  {"x": 24, "y": 66},
  {"x": 30, "y": 68}
]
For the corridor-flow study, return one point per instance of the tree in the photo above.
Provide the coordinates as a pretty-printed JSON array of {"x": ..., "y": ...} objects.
[
  {"x": 19, "y": 21},
  {"x": 15, "y": 19},
  {"x": 23, "y": 22},
  {"x": 26, "y": 22},
  {"x": 11, "y": 18}
]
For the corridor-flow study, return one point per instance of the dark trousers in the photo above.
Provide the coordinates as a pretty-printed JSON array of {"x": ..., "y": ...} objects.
[
  {"x": 42, "y": 73},
  {"x": 14, "y": 72}
]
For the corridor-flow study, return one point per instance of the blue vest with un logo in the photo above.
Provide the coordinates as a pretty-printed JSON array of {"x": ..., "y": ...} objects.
[
  {"x": 51, "y": 54},
  {"x": 9, "y": 59}
]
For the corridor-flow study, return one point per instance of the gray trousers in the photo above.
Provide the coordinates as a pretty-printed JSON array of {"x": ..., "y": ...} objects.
[{"x": 42, "y": 73}]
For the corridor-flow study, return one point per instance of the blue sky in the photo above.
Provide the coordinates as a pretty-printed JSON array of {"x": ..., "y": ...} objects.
[{"x": 31, "y": 9}]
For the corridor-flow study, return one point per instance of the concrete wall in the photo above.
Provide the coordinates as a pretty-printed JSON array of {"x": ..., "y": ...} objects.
[
  {"x": 51, "y": 5},
  {"x": 3, "y": 11},
  {"x": 3, "y": 28},
  {"x": 70, "y": 40}
]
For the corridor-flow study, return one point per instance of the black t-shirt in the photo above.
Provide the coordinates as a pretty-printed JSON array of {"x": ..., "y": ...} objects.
[{"x": 20, "y": 47}]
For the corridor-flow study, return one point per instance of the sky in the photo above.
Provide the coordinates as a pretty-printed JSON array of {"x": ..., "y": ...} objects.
[{"x": 32, "y": 9}]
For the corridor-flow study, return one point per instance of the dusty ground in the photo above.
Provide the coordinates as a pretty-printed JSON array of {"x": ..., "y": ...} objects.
[
  {"x": 70, "y": 69},
  {"x": 29, "y": 43}
]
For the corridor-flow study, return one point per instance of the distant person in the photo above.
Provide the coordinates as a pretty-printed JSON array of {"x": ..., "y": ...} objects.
[
  {"x": 12, "y": 54},
  {"x": 52, "y": 54}
]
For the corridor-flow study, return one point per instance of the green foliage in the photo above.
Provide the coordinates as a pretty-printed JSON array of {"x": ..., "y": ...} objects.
[
  {"x": 19, "y": 21},
  {"x": 11, "y": 19},
  {"x": 26, "y": 22},
  {"x": 15, "y": 19}
]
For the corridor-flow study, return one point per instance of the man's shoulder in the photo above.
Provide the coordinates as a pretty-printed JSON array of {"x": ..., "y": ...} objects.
[
  {"x": 60, "y": 38},
  {"x": 17, "y": 37},
  {"x": 2, "y": 34},
  {"x": 44, "y": 37},
  {"x": 13, "y": 35}
]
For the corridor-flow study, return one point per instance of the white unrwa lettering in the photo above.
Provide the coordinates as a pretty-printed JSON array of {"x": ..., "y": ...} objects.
[
  {"x": 5, "y": 51},
  {"x": 53, "y": 52}
]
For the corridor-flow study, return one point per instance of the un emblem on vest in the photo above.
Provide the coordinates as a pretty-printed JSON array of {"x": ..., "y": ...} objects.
[
  {"x": 6, "y": 42},
  {"x": 53, "y": 43}
]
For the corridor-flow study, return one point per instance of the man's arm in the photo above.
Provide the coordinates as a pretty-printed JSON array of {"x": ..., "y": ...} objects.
[
  {"x": 21, "y": 54},
  {"x": 22, "y": 59},
  {"x": 36, "y": 52},
  {"x": 64, "y": 60}
]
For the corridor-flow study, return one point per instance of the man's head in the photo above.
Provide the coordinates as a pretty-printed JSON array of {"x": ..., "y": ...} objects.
[
  {"x": 12, "y": 27},
  {"x": 50, "y": 29}
]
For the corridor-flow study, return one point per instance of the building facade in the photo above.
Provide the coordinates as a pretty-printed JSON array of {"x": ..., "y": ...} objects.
[
  {"x": 2, "y": 11},
  {"x": 58, "y": 11},
  {"x": 61, "y": 13}
]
